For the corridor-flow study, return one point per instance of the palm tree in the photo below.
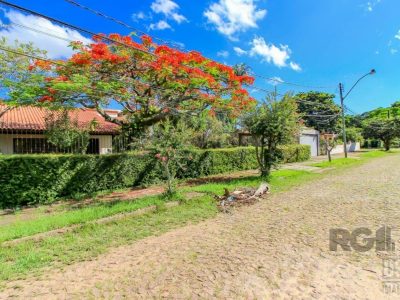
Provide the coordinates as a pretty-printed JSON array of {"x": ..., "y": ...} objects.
[{"x": 241, "y": 69}]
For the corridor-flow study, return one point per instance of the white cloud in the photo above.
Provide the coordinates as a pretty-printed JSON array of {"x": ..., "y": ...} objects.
[
  {"x": 239, "y": 51},
  {"x": 370, "y": 5},
  {"x": 397, "y": 36},
  {"x": 393, "y": 51},
  {"x": 140, "y": 16},
  {"x": 294, "y": 66},
  {"x": 160, "y": 25},
  {"x": 169, "y": 9},
  {"x": 277, "y": 55},
  {"x": 56, "y": 47},
  {"x": 269, "y": 52},
  {"x": 275, "y": 81},
  {"x": 223, "y": 53},
  {"x": 233, "y": 16}
]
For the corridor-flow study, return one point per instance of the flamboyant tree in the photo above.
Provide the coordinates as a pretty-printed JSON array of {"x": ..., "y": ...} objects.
[{"x": 150, "y": 82}]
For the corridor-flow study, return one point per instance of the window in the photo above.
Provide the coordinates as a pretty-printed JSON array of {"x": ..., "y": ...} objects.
[
  {"x": 41, "y": 145},
  {"x": 32, "y": 145},
  {"x": 93, "y": 147}
]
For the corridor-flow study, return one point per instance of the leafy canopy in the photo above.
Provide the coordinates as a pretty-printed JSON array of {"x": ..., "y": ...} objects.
[
  {"x": 319, "y": 111},
  {"x": 150, "y": 82},
  {"x": 384, "y": 130}
]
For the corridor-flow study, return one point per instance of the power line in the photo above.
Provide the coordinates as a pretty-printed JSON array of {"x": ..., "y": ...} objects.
[
  {"x": 91, "y": 88},
  {"x": 35, "y": 30},
  {"x": 80, "y": 29},
  {"x": 291, "y": 83},
  {"x": 113, "y": 19},
  {"x": 119, "y": 22},
  {"x": 100, "y": 36}
]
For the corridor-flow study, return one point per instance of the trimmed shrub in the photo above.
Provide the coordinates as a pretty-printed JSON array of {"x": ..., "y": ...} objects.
[{"x": 33, "y": 179}]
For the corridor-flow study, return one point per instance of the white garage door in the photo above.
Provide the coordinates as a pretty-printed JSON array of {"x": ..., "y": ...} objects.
[{"x": 312, "y": 140}]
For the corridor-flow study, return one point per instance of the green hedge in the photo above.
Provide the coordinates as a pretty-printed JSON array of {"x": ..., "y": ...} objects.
[{"x": 32, "y": 179}]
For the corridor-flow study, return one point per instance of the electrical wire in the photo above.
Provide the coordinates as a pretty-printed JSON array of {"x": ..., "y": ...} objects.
[
  {"x": 77, "y": 28},
  {"x": 35, "y": 30},
  {"x": 113, "y": 19},
  {"x": 109, "y": 39},
  {"x": 291, "y": 83},
  {"x": 119, "y": 22}
]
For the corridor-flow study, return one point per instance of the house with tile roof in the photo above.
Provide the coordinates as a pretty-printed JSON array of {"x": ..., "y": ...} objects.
[{"x": 22, "y": 130}]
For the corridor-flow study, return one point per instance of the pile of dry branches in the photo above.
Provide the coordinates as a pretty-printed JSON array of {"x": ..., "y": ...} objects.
[{"x": 241, "y": 197}]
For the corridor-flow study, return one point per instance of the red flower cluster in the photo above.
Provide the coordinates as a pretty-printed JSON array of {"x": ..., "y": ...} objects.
[
  {"x": 40, "y": 64},
  {"x": 46, "y": 98},
  {"x": 188, "y": 74}
]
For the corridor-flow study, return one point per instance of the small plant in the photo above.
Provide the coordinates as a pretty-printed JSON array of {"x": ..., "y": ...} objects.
[
  {"x": 170, "y": 139},
  {"x": 272, "y": 124},
  {"x": 330, "y": 142}
]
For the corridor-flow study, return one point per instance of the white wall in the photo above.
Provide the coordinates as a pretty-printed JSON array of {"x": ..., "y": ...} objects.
[
  {"x": 351, "y": 147},
  {"x": 6, "y": 142}
]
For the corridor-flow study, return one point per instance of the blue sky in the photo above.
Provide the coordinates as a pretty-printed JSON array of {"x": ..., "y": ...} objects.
[{"x": 316, "y": 43}]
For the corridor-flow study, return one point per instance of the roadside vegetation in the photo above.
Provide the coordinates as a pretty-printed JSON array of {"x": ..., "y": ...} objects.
[{"x": 85, "y": 242}]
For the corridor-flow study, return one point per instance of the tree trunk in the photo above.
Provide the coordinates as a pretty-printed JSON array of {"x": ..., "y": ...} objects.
[
  {"x": 387, "y": 145},
  {"x": 265, "y": 173}
]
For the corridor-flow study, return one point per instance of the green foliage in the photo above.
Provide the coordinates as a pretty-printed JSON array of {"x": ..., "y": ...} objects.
[
  {"x": 65, "y": 133},
  {"x": 386, "y": 130},
  {"x": 313, "y": 105},
  {"x": 273, "y": 123},
  {"x": 32, "y": 179},
  {"x": 169, "y": 142},
  {"x": 14, "y": 72},
  {"x": 211, "y": 131},
  {"x": 354, "y": 134},
  {"x": 382, "y": 113}
]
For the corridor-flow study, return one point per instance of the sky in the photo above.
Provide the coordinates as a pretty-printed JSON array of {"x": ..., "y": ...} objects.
[{"x": 302, "y": 44}]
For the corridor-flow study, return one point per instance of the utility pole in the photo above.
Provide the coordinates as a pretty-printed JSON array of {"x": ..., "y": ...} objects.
[
  {"x": 372, "y": 72},
  {"x": 343, "y": 120}
]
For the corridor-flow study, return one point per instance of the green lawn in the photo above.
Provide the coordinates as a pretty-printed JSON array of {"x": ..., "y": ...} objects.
[
  {"x": 91, "y": 239},
  {"x": 44, "y": 222}
]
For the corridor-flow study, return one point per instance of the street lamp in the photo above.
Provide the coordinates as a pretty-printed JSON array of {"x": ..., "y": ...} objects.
[{"x": 372, "y": 72}]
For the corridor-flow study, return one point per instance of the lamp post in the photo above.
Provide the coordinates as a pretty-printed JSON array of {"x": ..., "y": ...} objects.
[{"x": 342, "y": 98}]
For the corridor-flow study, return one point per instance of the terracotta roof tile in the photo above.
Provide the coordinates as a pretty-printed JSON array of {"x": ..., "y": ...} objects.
[{"x": 33, "y": 118}]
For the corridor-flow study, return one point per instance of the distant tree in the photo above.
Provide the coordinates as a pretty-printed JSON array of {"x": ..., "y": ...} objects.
[
  {"x": 354, "y": 121},
  {"x": 319, "y": 111},
  {"x": 382, "y": 112},
  {"x": 385, "y": 130},
  {"x": 66, "y": 133},
  {"x": 272, "y": 123},
  {"x": 211, "y": 130},
  {"x": 354, "y": 134},
  {"x": 14, "y": 72},
  {"x": 241, "y": 69}
]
